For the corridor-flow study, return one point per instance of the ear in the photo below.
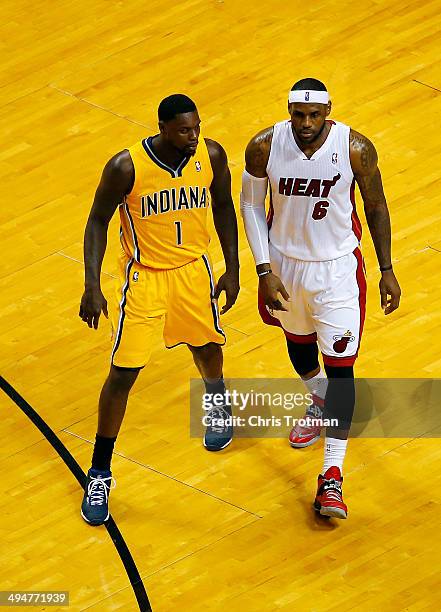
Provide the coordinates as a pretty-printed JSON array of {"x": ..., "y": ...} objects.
[
  {"x": 328, "y": 110},
  {"x": 161, "y": 126},
  {"x": 290, "y": 105}
]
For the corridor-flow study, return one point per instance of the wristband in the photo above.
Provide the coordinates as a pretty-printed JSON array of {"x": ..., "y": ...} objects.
[
  {"x": 265, "y": 272},
  {"x": 386, "y": 268}
]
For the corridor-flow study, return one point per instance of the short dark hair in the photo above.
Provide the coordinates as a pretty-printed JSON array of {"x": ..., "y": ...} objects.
[
  {"x": 175, "y": 105},
  {"x": 311, "y": 84}
]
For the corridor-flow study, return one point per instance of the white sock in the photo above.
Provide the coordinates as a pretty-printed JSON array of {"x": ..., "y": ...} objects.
[
  {"x": 335, "y": 451},
  {"x": 317, "y": 386}
]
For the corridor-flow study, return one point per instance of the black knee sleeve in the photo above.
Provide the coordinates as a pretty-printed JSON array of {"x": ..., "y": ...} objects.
[
  {"x": 340, "y": 395},
  {"x": 304, "y": 357}
]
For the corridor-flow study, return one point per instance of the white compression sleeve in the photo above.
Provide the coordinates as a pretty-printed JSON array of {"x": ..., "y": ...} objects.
[{"x": 252, "y": 207}]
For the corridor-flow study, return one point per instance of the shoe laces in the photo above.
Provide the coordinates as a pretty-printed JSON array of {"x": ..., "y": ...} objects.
[
  {"x": 332, "y": 488},
  {"x": 220, "y": 414},
  {"x": 98, "y": 490},
  {"x": 314, "y": 411}
]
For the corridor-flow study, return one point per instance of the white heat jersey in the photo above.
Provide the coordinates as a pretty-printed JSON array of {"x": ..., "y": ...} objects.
[{"x": 312, "y": 213}]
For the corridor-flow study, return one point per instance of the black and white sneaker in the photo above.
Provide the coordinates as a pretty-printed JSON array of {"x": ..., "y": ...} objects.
[
  {"x": 219, "y": 429},
  {"x": 95, "y": 506}
]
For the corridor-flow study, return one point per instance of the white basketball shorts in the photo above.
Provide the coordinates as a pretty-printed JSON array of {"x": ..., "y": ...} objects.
[{"x": 327, "y": 304}]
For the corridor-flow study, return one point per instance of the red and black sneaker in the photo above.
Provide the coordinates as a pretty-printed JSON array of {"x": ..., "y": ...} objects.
[
  {"x": 329, "y": 498},
  {"x": 302, "y": 436},
  {"x": 307, "y": 431}
]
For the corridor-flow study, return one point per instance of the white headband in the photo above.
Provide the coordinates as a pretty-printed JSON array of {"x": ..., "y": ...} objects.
[{"x": 308, "y": 96}]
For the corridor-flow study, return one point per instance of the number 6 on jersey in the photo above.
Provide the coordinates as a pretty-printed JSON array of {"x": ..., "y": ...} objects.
[
  {"x": 178, "y": 232},
  {"x": 320, "y": 210}
]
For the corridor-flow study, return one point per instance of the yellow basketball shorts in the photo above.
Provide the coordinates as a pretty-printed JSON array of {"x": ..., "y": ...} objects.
[{"x": 144, "y": 296}]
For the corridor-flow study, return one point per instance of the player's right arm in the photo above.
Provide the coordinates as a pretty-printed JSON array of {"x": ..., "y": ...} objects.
[
  {"x": 364, "y": 162},
  {"x": 252, "y": 205},
  {"x": 116, "y": 182}
]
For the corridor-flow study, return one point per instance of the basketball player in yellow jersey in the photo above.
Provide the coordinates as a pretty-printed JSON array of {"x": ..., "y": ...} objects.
[{"x": 163, "y": 186}]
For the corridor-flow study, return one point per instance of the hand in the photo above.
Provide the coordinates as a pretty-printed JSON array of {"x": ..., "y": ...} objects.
[
  {"x": 389, "y": 286},
  {"x": 228, "y": 282},
  {"x": 92, "y": 303},
  {"x": 270, "y": 286}
]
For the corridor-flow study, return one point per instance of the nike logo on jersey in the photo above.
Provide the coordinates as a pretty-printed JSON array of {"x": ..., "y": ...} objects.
[
  {"x": 168, "y": 200},
  {"x": 314, "y": 188}
]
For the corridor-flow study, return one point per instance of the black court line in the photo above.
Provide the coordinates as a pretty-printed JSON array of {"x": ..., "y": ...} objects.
[
  {"x": 426, "y": 85},
  {"x": 112, "y": 529}
]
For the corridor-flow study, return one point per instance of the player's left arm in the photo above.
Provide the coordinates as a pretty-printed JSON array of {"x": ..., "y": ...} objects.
[
  {"x": 364, "y": 162},
  {"x": 225, "y": 222}
]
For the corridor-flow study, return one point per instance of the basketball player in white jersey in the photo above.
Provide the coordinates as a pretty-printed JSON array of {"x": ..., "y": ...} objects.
[{"x": 310, "y": 268}]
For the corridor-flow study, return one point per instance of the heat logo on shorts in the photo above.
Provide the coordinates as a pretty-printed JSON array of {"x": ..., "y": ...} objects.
[{"x": 341, "y": 341}]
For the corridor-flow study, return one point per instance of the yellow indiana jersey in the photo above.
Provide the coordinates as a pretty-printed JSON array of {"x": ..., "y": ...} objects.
[{"x": 164, "y": 218}]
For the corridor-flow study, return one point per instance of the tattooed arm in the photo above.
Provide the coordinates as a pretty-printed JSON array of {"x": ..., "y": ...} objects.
[
  {"x": 257, "y": 153},
  {"x": 364, "y": 161}
]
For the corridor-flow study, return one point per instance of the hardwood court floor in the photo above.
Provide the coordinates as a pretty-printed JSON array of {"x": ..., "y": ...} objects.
[{"x": 231, "y": 531}]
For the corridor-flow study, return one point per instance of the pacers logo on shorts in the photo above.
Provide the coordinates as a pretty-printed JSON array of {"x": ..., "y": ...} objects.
[
  {"x": 135, "y": 276},
  {"x": 341, "y": 342}
]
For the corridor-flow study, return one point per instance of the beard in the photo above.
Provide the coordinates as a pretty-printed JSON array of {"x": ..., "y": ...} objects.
[
  {"x": 185, "y": 151},
  {"x": 314, "y": 136}
]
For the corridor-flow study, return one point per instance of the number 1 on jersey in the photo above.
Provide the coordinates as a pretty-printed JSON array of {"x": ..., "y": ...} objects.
[{"x": 178, "y": 232}]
